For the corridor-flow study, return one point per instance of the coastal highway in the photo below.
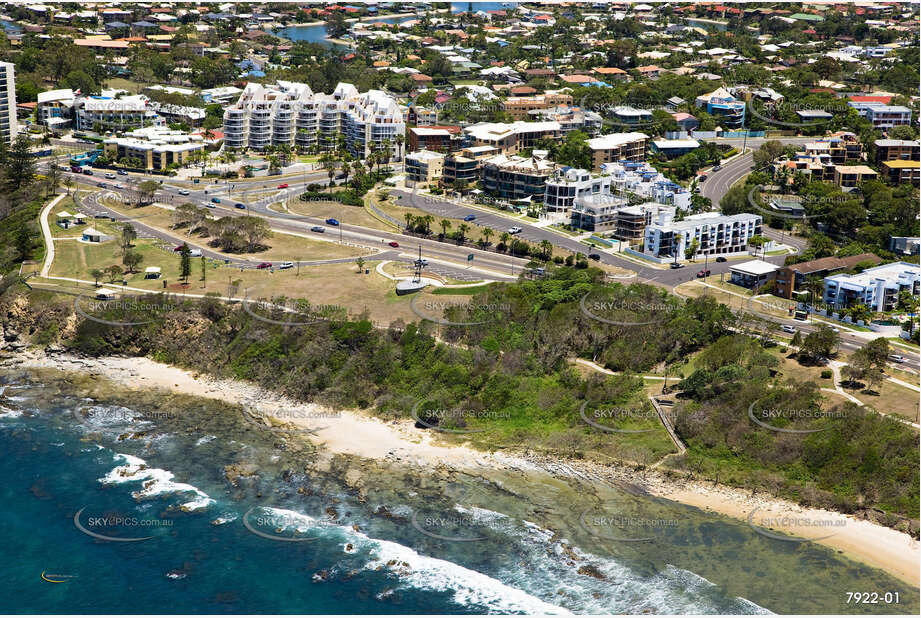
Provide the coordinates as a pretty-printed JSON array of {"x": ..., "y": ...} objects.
[{"x": 444, "y": 258}]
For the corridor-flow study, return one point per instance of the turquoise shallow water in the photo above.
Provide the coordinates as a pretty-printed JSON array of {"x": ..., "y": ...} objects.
[{"x": 285, "y": 531}]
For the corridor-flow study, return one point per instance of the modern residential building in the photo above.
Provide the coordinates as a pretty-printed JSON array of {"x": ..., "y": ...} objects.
[
  {"x": 291, "y": 113},
  {"x": 752, "y": 274},
  {"x": 671, "y": 148},
  {"x": 723, "y": 104},
  {"x": 596, "y": 212},
  {"x": 643, "y": 180},
  {"x": 897, "y": 150},
  {"x": 632, "y": 117},
  {"x": 510, "y": 138},
  {"x": 113, "y": 111},
  {"x": 616, "y": 147},
  {"x": 462, "y": 169},
  {"x": 793, "y": 279},
  {"x": 518, "y": 107},
  {"x": 570, "y": 118},
  {"x": 878, "y": 288},
  {"x": 517, "y": 178},
  {"x": 898, "y": 172},
  {"x": 839, "y": 148},
  {"x": 852, "y": 175},
  {"x": 569, "y": 183},
  {"x": 905, "y": 245},
  {"x": 882, "y": 116},
  {"x": 55, "y": 108},
  {"x": 8, "y": 123},
  {"x": 423, "y": 168},
  {"x": 156, "y": 148},
  {"x": 715, "y": 235},
  {"x": 447, "y": 138}
]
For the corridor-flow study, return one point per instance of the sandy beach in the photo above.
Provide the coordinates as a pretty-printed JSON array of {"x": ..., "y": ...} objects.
[{"x": 353, "y": 433}]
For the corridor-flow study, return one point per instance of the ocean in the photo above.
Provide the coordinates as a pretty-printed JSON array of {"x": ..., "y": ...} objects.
[{"x": 122, "y": 501}]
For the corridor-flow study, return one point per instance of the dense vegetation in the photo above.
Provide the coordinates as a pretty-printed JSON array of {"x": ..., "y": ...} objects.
[{"x": 857, "y": 459}]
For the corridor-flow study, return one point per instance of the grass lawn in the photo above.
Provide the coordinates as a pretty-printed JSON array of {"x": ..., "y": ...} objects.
[
  {"x": 353, "y": 215},
  {"x": 890, "y": 399},
  {"x": 472, "y": 290},
  {"x": 282, "y": 246},
  {"x": 124, "y": 84}
]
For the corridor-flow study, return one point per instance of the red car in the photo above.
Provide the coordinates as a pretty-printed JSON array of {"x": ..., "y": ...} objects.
[
  {"x": 179, "y": 248},
  {"x": 703, "y": 273},
  {"x": 283, "y": 185},
  {"x": 265, "y": 265},
  {"x": 394, "y": 244}
]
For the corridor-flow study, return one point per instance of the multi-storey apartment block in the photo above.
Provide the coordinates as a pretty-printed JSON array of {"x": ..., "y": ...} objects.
[
  {"x": 715, "y": 235},
  {"x": 290, "y": 113},
  {"x": 8, "y": 124}
]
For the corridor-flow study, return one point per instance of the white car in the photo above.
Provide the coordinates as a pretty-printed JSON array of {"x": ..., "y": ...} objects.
[
  {"x": 194, "y": 252},
  {"x": 897, "y": 358},
  {"x": 788, "y": 329},
  {"x": 183, "y": 191},
  {"x": 110, "y": 176},
  {"x": 285, "y": 265},
  {"x": 514, "y": 230}
]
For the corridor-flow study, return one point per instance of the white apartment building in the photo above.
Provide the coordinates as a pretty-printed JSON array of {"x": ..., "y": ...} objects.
[
  {"x": 291, "y": 113},
  {"x": 640, "y": 179},
  {"x": 8, "y": 124},
  {"x": 715, "y": 234},
  {"x": 878, "y": 288},
  {"x": 111, "y": 112}
]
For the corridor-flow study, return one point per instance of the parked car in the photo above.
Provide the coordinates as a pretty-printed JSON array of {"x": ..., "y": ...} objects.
[
  {"x": 469, "y": 217},
  {"x": 285, "y": 265},
  {"x": 594, "y": 256},
  {"x": 264, "y": 265},
  {"x": 788, "y": 329},
  {"x": 318, "y": 229},
  {"x": 122, "y": 173},
  {"x": 215, "y": 200},
  {"x": 240, "y": 206},
  {"x": 514, "y": 230},
  {"x": 897, "y": 358},
  {"x": 720, "y": 259},
  {"x": 194, "y": 252},
  {"x": 394, "y": 244},
  {"x": 675, "y": 265},
  {"x": 340, "y": 176},
  {"x": 332, "y": 221},
  {"x": 703, "y": 273},
  {"x": 110, "y": 176},
  {"x": 183, "y": 191},
  {"x": 283, "y": 185}
]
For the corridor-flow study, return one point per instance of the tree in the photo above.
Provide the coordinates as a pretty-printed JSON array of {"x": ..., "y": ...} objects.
[
  {"x": 691, "y": 250},
  {"x": 132, "y": 259},
  {"x": 758, "y": 242},
  {"x": 462, "y": 229},
  {"x": 204, "y": 270},
  {"x": 487, "y": 233},
  {"x": 129, "y": 234},
  {"x": 768, "y": 152},
  {"x": 445, "y": 226},
  {"x": 820, "y": 344},
  {"x": 114, "y": 272},
  {"x": 146, "y": 191},
  {"x": 96, "y": 274},
  {"x": 185, "y": 263},
  {"x": 20, "y": 164},
  {"x": 361, "y": 264}
]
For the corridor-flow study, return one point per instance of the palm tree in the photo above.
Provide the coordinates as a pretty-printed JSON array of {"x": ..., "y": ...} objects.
[
  {"x": 329, "y": 164},
  {"x": 463, "y": 228},
  {"x": 546, "y": 248},
  {"x": 400, "y": 138},
  {"x": 445, "y": 226},
  {"x": 487, "y": 232},
  {"x": 427, "y": 220},
  {"x": 410, "y": 219},
  {"x": 504, "y": 237}
]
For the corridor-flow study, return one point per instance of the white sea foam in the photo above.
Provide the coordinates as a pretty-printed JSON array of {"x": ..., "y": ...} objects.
[
  {"x": 9, "y": 412},
  {"x": 156, "y": 482},
  {"x": 470, "y": 588},
  {"x": 204, "y": 440}
]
